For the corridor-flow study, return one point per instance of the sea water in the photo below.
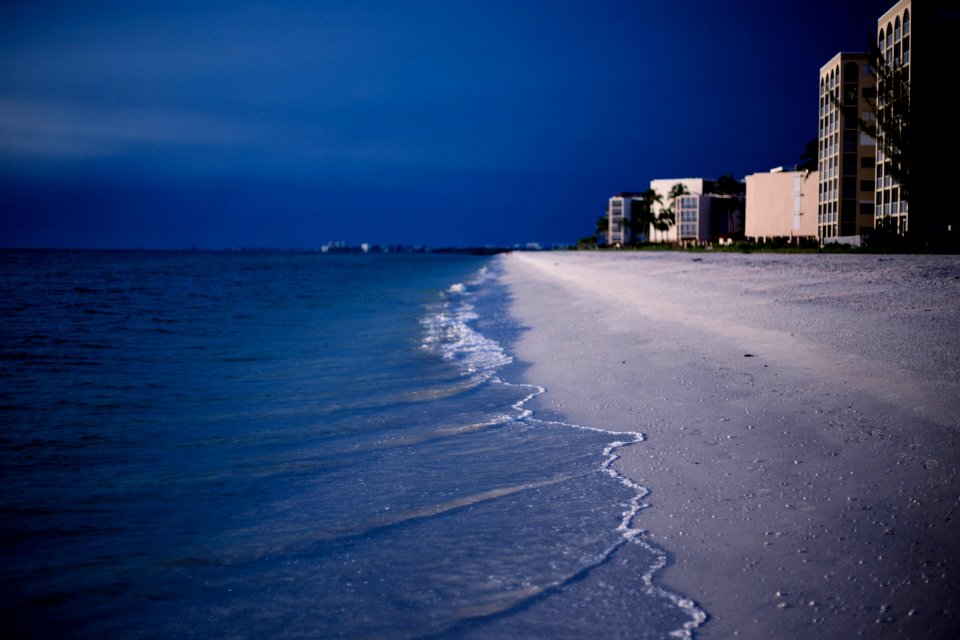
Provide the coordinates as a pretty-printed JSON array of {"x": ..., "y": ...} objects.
[{"x": 266, "y": 445}]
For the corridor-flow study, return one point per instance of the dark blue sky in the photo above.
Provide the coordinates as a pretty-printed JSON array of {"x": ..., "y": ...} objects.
[{"x": 280, "y": 124}]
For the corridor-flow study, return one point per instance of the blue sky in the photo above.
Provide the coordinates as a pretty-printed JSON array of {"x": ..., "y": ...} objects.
[{"x": 285, "y": 124}]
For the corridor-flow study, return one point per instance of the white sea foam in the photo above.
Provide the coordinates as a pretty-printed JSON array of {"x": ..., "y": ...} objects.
[
  {"x": 448, "y": 332},
  {"x": 635, "y": 505}
]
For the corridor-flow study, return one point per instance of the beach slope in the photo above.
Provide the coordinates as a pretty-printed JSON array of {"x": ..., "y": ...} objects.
[{"x": 802, "y": 425}]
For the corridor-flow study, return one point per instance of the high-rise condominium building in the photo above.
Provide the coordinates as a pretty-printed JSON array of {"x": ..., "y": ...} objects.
[
  {"x": 894, "y": 42},
  {"x": 925, "y": 45},
  {"x": 846, "y": 189}
]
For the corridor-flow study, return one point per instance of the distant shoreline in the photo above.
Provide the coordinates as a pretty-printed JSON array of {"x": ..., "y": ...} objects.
[{"x": 346, "y": 249}]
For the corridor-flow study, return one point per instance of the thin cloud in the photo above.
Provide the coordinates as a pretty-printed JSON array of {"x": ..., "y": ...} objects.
[{"x": 54, "y": 130}]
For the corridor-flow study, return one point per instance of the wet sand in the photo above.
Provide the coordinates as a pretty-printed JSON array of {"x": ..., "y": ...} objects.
[{"x": 801, "y": 414}]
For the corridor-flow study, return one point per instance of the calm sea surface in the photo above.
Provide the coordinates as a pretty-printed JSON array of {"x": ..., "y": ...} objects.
[{"x": 296, "y": 446}]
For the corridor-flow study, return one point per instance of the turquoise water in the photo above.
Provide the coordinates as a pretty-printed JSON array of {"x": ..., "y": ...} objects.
[{"x": 297, "y": 445}]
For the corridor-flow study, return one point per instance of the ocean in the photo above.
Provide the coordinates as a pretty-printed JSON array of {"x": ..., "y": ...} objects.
[{"x": 280, "y": 445}]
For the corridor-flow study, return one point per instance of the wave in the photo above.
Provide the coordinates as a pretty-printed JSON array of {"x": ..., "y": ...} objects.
[{"x": 448, "y": 332}]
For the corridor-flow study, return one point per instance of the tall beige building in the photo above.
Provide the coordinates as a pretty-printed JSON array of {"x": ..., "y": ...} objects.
[
  {"x": 846, "y": 189},
  {"x": 894, "y": 41}
]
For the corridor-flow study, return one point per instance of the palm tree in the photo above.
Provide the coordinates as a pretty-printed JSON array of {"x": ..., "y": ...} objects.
[
  {"x": 676, "y": 191},
  {"x": 810, "y": 158},
  {"x": 727, "y": 185},
  {"x": 641, "y": 213},
  {"x": 668, "y": 215},
  {"x": 665, "y": 220},
  {"x": 602, "y": 226}
]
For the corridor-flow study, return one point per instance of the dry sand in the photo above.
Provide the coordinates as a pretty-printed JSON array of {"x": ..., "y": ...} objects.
[{"x": 802, "y": 422}]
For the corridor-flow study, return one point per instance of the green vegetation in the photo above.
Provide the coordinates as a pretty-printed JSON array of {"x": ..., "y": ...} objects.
[
  {"x": 642, "y": 216},
  {"x": 810, "y": 158}
]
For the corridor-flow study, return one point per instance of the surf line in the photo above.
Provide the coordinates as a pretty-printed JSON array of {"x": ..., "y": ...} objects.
[
  {"x": 483, "y": 357},
  {"x": 635, "y": 505}
]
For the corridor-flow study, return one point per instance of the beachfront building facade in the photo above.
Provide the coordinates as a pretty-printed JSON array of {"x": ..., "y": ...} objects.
[
  {"x": 847, "y": 156},
  {"x": 894, "y": 43},
  {"x": 781, "y": 204},
  {"x": 925, "y": 46},
  {"x": 689, "y": 225},
  {"x": 619, "y": 214},
  {"x": 702, "y": 215}
]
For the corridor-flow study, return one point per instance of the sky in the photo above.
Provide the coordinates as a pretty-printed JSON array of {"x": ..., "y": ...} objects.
[{"x": 443, "y": 123}]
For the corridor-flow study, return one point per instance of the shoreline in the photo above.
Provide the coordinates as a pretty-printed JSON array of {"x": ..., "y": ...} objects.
[{"x": 801, "y": 419}]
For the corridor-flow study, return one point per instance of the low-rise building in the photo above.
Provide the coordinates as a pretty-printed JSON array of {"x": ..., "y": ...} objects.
[
  {"x": 781, "y": 204},
  {"x": 702, "y": 214},
  {"x": 619, "y": 214}
]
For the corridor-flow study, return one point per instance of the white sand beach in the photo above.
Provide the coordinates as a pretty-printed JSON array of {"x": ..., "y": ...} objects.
[{"x": 802, "y": 415}]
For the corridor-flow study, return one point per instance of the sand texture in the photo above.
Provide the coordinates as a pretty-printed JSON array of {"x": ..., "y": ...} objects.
[{"x": 802, "y": 425}]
